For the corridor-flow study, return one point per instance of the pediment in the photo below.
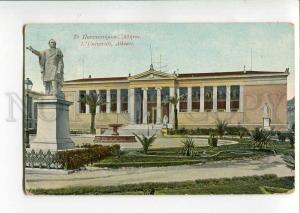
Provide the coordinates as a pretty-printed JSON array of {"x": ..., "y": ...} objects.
[{"x": 152, "y": 74}]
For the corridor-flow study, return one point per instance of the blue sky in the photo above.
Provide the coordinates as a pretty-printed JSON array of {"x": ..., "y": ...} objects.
[{"x": 186, "y": 47}]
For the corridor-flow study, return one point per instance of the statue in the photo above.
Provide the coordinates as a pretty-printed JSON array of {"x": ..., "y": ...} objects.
[
  {"x": 52, "y": 68},
  {"x": 165, "y": 120},
  {"x": 266, "y": 111}
]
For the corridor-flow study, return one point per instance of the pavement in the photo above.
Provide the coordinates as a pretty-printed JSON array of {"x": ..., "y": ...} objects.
[{"x": 105, "y": 176}]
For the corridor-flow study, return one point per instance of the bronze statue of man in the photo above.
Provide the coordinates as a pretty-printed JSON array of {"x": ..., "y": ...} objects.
[{"x": 52, "y": 68}]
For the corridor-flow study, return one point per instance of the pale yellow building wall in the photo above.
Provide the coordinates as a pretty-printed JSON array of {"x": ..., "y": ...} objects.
[
  {"x": 207, "y": 119},
  {"x": 257, "y": 91},
  {"x": 255, "y": 96},
  {"x": 83, "y": 120}
]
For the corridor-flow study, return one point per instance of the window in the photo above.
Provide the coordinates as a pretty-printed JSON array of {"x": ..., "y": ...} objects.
[
  {"x": 103, "y": 98},
  {"x": 165, "y": 93},
  {"x": 195, "y": 99},
  {"x": 208, "y": 99},
  {"x": 221, "y": 98},
  {"x": 113, "y": 100},
  {"x": 234, "y": 98},
  {"x": 183, "y": 93},
  {"x": 82, "y": 107},
  {"x": 124, "y": 100}
]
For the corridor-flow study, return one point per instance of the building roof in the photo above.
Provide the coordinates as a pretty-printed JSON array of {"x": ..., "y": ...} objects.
[
  {"x": 211, "y": 74},
  {"x": 98, "y": 79},
  {"x": 184, "y": 75}
]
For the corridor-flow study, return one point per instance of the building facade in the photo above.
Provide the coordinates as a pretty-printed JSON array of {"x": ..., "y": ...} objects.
[
  {"x": 31, "y": 112},
  {"x": 237, "y": 97}
]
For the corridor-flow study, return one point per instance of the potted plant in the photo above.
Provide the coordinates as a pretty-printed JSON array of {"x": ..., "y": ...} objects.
[{"x": 212, "y": 140}]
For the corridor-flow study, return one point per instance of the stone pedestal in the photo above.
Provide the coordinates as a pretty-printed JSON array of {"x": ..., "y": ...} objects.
[
  {"x": 267, "y": 123},
  {"x": 52, "y": 125}
]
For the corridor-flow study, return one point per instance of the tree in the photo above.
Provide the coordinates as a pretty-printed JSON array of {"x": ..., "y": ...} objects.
[
  {"x": 261, "y": 139},
  {"x": 93, "y": 100},
  {"x": 174, "y": 100},
  {"x": 145, "y": 141},
  {"x": 221, "y": 127}
]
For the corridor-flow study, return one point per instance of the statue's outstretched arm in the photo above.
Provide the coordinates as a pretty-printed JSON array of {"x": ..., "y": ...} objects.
[{"x": 38, "y": 53}]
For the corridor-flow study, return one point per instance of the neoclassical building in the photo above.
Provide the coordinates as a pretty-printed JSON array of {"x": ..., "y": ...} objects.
[{"x": 240, "y": 98}]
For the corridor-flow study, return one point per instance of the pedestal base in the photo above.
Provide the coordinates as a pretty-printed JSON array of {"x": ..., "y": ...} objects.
[
  {"x": 52, "y": 125},
  {"x": 267, "y": 123}
]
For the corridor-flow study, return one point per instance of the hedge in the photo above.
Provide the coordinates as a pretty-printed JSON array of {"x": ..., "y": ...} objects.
[{"x": 74, "y": 159}]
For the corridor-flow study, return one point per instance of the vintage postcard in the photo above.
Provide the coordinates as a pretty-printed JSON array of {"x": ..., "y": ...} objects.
[{"x": 159, "y": 109}]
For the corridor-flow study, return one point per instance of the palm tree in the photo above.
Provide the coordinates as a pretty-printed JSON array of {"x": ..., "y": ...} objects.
[
  {"x": 93, "y": 100},
  {"x": 261, "y": 139},
  {"x": 189, "y": 147},
  {"x": 221, "y": 127},
  {"x": 174, "y": 100},
  {"x": 145, "y": 141}
]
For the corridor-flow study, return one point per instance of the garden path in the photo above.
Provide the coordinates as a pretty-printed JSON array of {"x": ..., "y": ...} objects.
[{"x": 103, "y": 177}]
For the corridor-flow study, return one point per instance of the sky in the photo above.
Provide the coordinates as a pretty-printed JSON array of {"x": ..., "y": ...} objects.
[{"x": 185, "y": 47}]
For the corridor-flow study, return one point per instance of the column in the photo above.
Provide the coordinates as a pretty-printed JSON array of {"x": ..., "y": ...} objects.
[
  {"x": 178, "y": 95},
  {"x": 189, "y": 99},
  {"x": 171, "y": 107},
  {"x": 215, "y": 92},
  {"x": 98, "y": 107},
  {"x": 77, "y": 101},
  {"x": 145, "y": 112},
  {"x": 87, "y": 107},
  {"x": 108, "y": 101},
  {"x": 158, "y": 105},
  {"x": 118, "y": 100},
  {"x": 228, "y": 98},
  {"x": 131, "y": 105},
  {"x": 241, "y": 107},
  {"x": 201, "y": 99}
]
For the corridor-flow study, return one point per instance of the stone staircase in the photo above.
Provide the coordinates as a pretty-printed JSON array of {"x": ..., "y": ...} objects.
[{"x": 137, "y": 129}]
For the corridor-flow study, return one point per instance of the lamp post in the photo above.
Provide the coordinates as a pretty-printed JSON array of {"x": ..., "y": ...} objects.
[{"x": 28, "y": 86}]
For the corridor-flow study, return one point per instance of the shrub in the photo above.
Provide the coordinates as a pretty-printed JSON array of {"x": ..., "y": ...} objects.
[
  {"x": 281, "y": 136},
  {"x": 232, "y": 130},
  {"x": 74, "y": 159},
  {"x": 242, "y": 132},
  {"x": 261, "y": 138},
  {"x": 221, "y": 127},
  {"x": 291, "y": 137},
  {"x": 116, "y": 150},
  {"x": 212, "y": 141},
  {"x": 189, "y": 147},
  {"x": 146, "y": 141},
  {"x": 182, "y": 131},
  {"x": 203, "y": 131}
]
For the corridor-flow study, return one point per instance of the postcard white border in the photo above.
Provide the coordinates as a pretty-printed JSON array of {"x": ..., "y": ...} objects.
[{"x": 13, "y": 15}]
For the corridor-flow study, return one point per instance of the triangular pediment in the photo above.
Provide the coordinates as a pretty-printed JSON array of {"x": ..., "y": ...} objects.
[{"x": 152, "y": 74}]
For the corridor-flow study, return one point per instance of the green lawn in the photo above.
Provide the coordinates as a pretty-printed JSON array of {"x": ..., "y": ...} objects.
[
  {"x": 267, "y": 184},
  {"x": 173, "y": 156}
]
